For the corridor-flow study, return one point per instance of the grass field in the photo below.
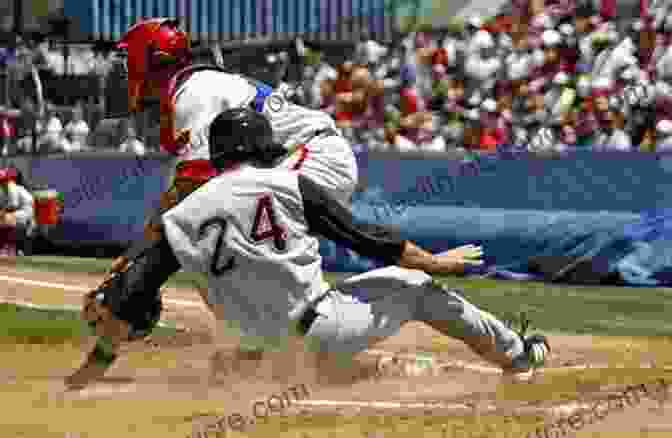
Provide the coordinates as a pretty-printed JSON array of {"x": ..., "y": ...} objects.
[
  {"x": 612, "y": 311},
  {"x": 616, "y": 316},
  {"x": 50, "y": 326}
]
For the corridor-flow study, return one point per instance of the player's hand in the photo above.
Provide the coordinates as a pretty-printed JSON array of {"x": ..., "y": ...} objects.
[
  {"x": 449, "y": 265},
  {"x": 456, "y": 260},
  {"x": 448, "y": 262},
  {"x": 467, "y": 252}
]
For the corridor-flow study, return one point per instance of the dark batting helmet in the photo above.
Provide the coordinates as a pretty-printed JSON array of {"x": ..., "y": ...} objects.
[{"x": 242, "y": 135}]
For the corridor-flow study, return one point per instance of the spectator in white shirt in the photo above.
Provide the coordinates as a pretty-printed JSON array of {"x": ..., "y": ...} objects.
[
  {"x": 16, "y": 212},
  {"x": 612, "y": 136},
  {"x": 50, "y": 132},
  {"x": 26, "y": 124},
  {"x": 664, "y": 136},
  {"x": 324, "y": 73},
  {"x": 129, "y": 139},
  {"x": 76, "y": 131},
  {"x": 369, "y": 52}
]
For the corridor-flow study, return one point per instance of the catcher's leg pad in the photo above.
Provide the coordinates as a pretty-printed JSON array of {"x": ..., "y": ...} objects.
[{"x": 134, "y": 295}]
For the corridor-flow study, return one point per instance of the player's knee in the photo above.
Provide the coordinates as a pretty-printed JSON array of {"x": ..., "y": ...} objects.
[
  {"x": 410, "y": 277},
  {"x": 395, "y": 275}
]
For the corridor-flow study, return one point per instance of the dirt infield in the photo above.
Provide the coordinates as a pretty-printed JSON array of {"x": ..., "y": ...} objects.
[{"x": 176, "y": 371}]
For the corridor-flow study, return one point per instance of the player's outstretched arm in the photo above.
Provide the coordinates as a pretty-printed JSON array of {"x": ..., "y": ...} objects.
[
  {"x": 453, "y": 262},
  {"x": 329, "y": 218},
  {"x": 126, "y": 307}
]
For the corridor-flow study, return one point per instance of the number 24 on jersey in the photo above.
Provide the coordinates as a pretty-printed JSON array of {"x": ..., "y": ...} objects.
[{"x": 265, "y": 227}]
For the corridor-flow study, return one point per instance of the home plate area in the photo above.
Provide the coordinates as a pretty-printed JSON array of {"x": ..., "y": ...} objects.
[
  {"x": 450, "y": 381},
  {"x": 409, "y": 383},
  {"x": 447, "y": 391}
]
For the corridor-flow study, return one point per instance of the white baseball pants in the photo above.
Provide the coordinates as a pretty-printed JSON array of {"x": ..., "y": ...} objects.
[{"x": 370, "y": 307}]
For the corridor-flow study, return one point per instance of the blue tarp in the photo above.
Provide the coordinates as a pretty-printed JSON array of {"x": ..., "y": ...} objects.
[
  {"x": 578, "y": 218},
  {"x": 636, "y": 254}
]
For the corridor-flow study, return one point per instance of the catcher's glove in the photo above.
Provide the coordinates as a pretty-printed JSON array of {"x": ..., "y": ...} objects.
[{"x": 132, "y": 296}]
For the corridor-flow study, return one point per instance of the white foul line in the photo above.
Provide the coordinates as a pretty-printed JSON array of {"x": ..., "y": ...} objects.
[
  {"x": 383, "y": 404},
  {"x": 564, "y": 409},
  {"x": 83, "y": 289}
]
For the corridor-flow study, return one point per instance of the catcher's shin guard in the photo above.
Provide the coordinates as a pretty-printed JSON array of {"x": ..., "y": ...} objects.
[{"x": 133, "y": 295}]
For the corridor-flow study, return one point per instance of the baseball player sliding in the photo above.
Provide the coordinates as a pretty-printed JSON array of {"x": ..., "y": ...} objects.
[
  {"x": 160, "y": 66},
  {"x": 252, "y": 231}
]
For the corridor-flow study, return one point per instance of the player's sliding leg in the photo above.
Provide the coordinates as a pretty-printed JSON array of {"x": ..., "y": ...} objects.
[{"x": 373, "y": 306}]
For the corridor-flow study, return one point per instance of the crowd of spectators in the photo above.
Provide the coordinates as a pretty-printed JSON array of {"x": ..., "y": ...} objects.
[
  {"x": 55, "y": 130},
  {"x": 30, "y": 124},
  {"x": 543, "y": 76}
]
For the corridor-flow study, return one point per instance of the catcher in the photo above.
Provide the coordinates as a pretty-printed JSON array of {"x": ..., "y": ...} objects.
[{"x": 252, "y": 231}]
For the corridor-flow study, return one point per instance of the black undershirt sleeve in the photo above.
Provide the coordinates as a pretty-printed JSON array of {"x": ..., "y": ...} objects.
[
  {"x": 330, "y": 219},
  {"x": 137, "y": 248}
]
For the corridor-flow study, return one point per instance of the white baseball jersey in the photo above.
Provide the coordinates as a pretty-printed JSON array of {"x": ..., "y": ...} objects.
[
  {"x": 326, "y": 158},
  {"x": 206, "y": 93},
  {"x": 245, "y": 230},
  {"x": 199, "y": 99},
  {"x": 252, "y": 233}
]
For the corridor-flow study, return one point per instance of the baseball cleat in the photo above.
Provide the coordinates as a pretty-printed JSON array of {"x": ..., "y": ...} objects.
[{"x": 537, "y": 351}]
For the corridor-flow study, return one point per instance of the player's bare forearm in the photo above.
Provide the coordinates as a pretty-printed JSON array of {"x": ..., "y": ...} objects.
[{"x": 415, "y": 257}]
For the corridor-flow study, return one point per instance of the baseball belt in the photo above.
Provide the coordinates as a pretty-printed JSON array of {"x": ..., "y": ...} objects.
[
  {"x": 306, "y": 321},
  {"x": 308, "y": 317}
]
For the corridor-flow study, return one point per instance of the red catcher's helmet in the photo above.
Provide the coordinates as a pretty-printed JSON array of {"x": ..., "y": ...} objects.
[{"x": 156, "y": 49}]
